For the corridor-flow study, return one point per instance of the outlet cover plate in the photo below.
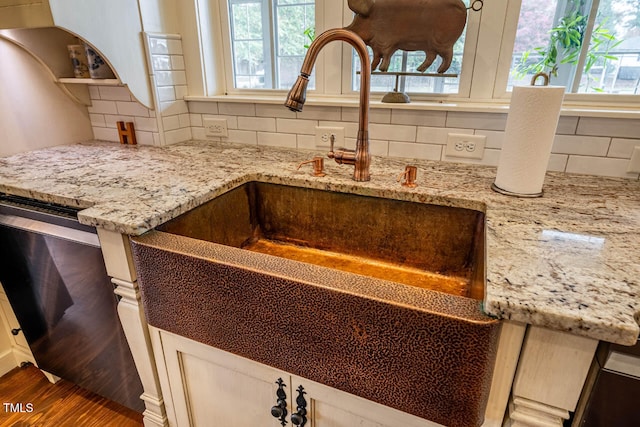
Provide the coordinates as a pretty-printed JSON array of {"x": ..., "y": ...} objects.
[
  {"x": 465, "y": 145},
  {"x": 215, "y": 127},
  {"x": 323, "y": 134}
]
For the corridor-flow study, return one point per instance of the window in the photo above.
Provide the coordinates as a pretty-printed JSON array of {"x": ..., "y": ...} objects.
[
  {"x": 268, "y": 40},
  {"x": 589, "y": 46}
]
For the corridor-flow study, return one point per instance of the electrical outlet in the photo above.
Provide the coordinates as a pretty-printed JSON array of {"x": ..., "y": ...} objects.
[
  {"x": 215, "y": 127},
  {"x": 634, "y": 162},
  {"x": 323, "y": 136},
  {"x": 464, "y": 145}
]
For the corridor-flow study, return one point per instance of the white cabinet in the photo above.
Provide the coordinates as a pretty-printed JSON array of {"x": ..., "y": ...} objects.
[
  {"x": 205, "y": 386},
  {"x": 113, "y": 28},
  {"x": 14, "y": 348}
]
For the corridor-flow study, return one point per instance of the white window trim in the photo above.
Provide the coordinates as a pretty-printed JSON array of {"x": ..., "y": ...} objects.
[{"x": 486, "y": 91}]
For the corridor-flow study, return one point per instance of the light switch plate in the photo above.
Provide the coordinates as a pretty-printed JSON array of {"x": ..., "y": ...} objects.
[{"x": 634, "y": 163}]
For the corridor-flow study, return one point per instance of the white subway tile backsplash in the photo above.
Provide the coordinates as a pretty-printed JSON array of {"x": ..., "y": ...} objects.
[
  {"x": 170, "y": 78},
  {"x": 94, "y": 92},
  {"x": 144, "y": 138},
  {"x": 414, "y": 134},
  {"x": 278, "y": 111},
  {"x": 583, "y": 145},
  {"x": 203, "y": 107},
  {"x": 171, "y": 108},
  {"x": 419, "y": 118},
  {"x": 158, "y": 45},
  {"x": 97, "y": 120},
  {"x": 198, "y": 133},
  {"x": 603, "y": 166},
  {"x": 495, "y": 139},
  {"x": 132, "y": 108},
  {"x": 376, "y": 147},
  {"x": 434, "y": 135},
  {"x": 102, "y": 107},
  {"x": 146, "y": 124},
  {"x": 468, "y": 120},
  {"x": 298, "y": 126},
  {"x": 277, "y": 139},
  {"x": 178, "y": 135},
  {"x": 233, "y": 109},
  {"x": 491, "y": 158},
  {"x": 170, "y": 123},
  {"x": 415, "y": 150},
  {"x": 350, "y": 128},
  {"x": 557, "y": 162},
  {"x": 306, "y": 142},
  {"x": 114, "y": 93},
  {"x": 316, "y": 112},
  {"x": 161, "y": 62},
  {"x": 622, "y": 148},
  {"x": 181, "y": 91},
  {"x": 611, "y": 127},
  {"x": 174, "y": 46},
  {"x": 263, "y": 124},
  {"x": 177, "y": 62},
  {"x": 393, "y": 132},
  {"x": 376, "y": 115},
  {"x": 243, "y": 136},
  {"x": 184, "y": 120},
  {"x": 567, "y": 125},
  {"x": 106, "y": 134},
  {"x": 166, "y": 93},
  {"x": 111, "y": 120}
]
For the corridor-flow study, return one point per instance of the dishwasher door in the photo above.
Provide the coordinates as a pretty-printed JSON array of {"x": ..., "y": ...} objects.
[
  {"x": 53, "y": 273},
  {"x": 614, "y": 398}
]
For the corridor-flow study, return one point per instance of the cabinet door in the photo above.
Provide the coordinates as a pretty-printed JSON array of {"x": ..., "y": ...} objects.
[
  {"x": 328, "y": 407},
  {"x": 210, "y": 387}
]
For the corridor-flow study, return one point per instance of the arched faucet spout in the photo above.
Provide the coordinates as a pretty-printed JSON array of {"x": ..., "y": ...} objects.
[{"x": 361, "y": 158}]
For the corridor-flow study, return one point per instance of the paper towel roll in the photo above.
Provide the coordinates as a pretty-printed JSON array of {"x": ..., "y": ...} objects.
[{"x": 528, "y": 137}]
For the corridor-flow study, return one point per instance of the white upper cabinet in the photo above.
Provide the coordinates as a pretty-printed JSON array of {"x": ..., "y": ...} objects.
[{"x": 113, "y": 28}]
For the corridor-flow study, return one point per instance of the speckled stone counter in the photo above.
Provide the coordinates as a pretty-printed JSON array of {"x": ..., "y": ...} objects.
[{"x": 567, "y": 261}]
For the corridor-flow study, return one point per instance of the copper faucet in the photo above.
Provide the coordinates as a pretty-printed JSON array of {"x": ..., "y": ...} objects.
[{"x": 360, "y": 158}]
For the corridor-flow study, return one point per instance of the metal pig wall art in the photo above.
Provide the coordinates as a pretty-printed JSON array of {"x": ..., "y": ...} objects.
[{"x": 432, "y": 26}]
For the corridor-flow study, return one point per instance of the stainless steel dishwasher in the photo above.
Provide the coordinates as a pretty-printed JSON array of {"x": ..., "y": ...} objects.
[{"x": 53, "y": 273}]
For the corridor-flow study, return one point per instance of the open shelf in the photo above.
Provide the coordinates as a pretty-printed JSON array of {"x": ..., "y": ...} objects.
[{"x": 101, "y": 82}]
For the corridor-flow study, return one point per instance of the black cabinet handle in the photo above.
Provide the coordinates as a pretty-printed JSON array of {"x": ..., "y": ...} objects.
[
  {"x": 300, "y": 417},
  {"x": 280, "y": 410},
  {"x": 15, "y": 331}
]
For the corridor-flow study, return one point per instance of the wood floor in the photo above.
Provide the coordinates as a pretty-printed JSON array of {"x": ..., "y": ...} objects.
[{"x": 61, "y": 404}]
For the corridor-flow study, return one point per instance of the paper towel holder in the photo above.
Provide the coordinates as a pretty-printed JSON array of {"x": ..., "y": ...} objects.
[
  {"x": 497, "y": 189},
  {"x": 544, "y": 76}
]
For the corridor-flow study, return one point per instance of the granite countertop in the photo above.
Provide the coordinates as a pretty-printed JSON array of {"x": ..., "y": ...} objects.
[{"x": 567, "y": 261}]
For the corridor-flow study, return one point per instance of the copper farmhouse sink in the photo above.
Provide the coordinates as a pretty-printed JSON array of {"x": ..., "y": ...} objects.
[{"x": 377, "y": 297}]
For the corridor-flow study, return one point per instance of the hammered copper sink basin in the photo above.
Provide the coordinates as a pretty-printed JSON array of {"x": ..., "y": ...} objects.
[{"x": 377, "y": 297}]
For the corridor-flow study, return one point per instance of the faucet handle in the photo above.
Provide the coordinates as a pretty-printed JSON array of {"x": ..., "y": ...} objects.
[
  {"x": 318, "y": 166},
  {"x": 410, "y": 174}
]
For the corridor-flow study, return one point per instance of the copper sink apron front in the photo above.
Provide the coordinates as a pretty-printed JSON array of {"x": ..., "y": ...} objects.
[{"x": 420, "y": 351}]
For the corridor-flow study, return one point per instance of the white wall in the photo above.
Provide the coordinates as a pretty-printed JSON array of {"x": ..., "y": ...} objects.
[{"x": 34, "y": 112}]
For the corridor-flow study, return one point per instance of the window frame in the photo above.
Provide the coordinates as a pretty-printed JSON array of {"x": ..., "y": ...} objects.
[
  {"x": 484, "y": 77},
  {"x": 504, "y": 64}
]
